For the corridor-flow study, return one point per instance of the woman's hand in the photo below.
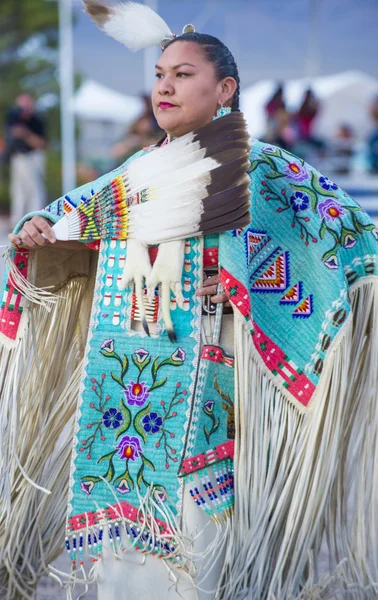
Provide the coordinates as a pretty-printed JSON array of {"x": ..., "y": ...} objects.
[
  {"x": 31, "y": 234},
  {"x": 209, "y": 288}
]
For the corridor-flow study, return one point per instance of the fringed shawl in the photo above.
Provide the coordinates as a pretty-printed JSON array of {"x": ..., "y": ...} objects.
[{"x": 302, "y": 280}]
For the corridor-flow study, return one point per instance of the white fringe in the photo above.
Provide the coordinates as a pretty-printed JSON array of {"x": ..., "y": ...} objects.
[
  {"x": 30, "y": 292},
  {"x": 38, "y": 399},
  {"x": 297, "y": 473}
]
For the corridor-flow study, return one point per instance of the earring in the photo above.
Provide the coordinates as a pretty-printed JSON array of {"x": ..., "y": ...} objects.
[{"x": 222, "y": 111}]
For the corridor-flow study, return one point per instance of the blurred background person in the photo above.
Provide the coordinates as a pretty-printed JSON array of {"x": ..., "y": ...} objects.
[
  {"x": 306, "y": 115},
  {"x": 279, "y": 121},
  {"x": 145, "y": 131},
  {"x": 25, "y": 142},
  {"x": 343, "y": 150},
  {"x": 373, "y": 139},
  {"x": 307, "y": 145}
]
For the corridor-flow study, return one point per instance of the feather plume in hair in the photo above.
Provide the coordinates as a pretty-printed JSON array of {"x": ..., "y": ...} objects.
[{"x": 135, "y": 25}]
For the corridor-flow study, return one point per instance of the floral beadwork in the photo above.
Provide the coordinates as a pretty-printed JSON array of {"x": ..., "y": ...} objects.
[
  {"x": 152, "y": 423},
  {"x": 208, "y": 409},
  {"x": 96, "y": 426},
  {"x": 141, "y": 355},
  {"x": 129, "y": 447},
  {"x": 330, "y": 209},
  {"x": 112, "y": 418},
  {"x": 299, "y": 201},
  {"x": 166, "y": 435},
  {"x": 131, "y": 429},
  {"x": 305, "y": 193},
  {"x": 296, "y": 172},
  {"x": 136, "y": 393},
  {"x": 327, "y": 184}
]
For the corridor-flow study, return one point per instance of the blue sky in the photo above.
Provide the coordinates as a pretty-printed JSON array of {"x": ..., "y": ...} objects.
[{"x": 269, "y": 39}]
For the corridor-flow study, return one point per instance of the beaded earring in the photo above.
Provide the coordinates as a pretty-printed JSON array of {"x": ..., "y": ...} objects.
[{"x": 222, "y": 111}]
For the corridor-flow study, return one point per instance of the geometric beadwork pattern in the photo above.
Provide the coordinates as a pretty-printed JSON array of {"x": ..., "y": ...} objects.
[
  {"x": 305, "y": 309},
  {"x": 12, "y": 302},
  {"x": 293, "y": 295},
  {"x": 255, "y": 242},
  {"x": 151, "y": 307},
  {"x": 68, "y": 205},
  {"x": 275, "y": 278}
]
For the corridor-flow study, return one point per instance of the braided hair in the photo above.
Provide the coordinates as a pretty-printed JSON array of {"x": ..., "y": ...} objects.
[{"x": 219, "y": 55}]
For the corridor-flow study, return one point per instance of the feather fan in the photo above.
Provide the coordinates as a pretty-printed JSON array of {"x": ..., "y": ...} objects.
[{"x": 195, "y": 185}]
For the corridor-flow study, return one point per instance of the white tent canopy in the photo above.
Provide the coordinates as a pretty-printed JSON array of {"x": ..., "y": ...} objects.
[
  {"x": 345, "y": 98},
  {"x": 95, "y": 102}
]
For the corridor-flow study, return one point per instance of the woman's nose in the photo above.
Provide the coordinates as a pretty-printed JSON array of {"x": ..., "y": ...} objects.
[{"x": 166, "y": 86}]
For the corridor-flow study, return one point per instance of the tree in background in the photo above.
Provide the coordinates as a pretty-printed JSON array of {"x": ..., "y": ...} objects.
[{"x": 29, "y": 63}]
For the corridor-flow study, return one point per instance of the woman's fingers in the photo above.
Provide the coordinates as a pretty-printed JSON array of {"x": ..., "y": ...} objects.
[
  {"x": 44, "y": 226},
  {"x": 210, "y": 290},
  {"x": 28, "y": 241},
  {"x": 35, "y": 233},
  {"x": 218, "y": 298},
  {"x": 210, "y": 286},
  {"x": 16, "y": 241},
  {"x": 211, "y": 281},
  {"x": 31, "y": 236}
]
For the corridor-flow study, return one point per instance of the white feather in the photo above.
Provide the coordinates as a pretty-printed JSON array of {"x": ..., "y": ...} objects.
[
  {"x": 136, "y": 25},
  {"x": 167, "y": 271},
  {"x": 164, "y": 159},
  {"x": 195, "y": 172}
]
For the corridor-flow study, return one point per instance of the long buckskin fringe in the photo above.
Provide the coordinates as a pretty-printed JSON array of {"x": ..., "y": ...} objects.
[
  {"x": 303, "y": 479},
  {"x": 39, "y": 384}
]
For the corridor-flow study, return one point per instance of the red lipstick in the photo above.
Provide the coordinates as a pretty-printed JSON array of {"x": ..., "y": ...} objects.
[{"x": 165, "y": 105}]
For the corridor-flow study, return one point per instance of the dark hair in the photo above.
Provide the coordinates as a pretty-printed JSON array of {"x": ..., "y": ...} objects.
[{"x": 219, "y": 55}]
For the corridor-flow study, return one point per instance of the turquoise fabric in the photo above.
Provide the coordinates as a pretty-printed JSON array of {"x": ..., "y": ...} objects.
[
  {"x": 289, "y": 274},
  {"x": 136, "y": 395},
  {"x": 213, "y": 416},
  {"x": 309, "y": 240}
]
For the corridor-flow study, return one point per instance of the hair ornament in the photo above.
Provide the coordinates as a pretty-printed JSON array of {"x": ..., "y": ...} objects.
[
  {"x": 133, "y": 24},
  {"x": 167, "y": 40},
  {"x": 188, "y": 29}
]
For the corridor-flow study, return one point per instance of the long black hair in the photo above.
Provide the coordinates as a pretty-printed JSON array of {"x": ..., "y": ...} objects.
[{"x": 219, "y": 55}]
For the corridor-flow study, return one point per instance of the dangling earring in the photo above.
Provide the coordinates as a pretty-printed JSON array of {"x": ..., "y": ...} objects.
[{"x": 222, "y": 111}]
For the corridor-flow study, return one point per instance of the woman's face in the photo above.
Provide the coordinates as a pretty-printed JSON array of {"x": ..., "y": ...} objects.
[{"x": 186, "y": 94}]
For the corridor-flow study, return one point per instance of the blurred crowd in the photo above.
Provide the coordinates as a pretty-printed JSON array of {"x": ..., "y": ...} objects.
[
  {"x": 24, "y": 143},
  {"x": 25, "y": 140},
  {"x": 294, "y": 131}
]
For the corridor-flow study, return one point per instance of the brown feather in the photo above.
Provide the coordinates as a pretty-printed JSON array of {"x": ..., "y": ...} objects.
[
  {"x": 226, "y": 202},
  {"x": 236, "y": 208},
  {"x": 99, "y": 12},
  {"x": 243, "y": 221},
  {"x": 227, "y": 206},
  {"x": 226, "y": 176},
  {"x": 232, "y": 127}
]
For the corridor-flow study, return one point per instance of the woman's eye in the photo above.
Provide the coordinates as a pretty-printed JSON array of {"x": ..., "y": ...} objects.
[
  {"x": 183, "y": 75},
  {"x": 158, "y": 75}
]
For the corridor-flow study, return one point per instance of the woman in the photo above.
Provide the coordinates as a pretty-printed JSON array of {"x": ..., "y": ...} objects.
[{"x": 154, "y": 411}]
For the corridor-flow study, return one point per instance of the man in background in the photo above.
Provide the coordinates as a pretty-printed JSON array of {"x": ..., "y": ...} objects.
[{"x": 25, "y": 141}]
